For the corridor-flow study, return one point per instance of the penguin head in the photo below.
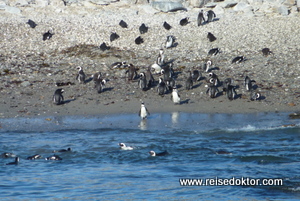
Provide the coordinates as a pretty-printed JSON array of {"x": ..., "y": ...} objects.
[
  {"x": 122, "y": 145},
  {"x": 152, "y": 153}
]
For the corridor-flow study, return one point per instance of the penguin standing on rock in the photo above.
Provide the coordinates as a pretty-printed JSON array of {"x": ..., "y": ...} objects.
[
  {"x": 143, "y": 113},
  {"x": 81, "y": 75},
  {"x": 200, "y": 18},
  {"x": 58, "y": 98},
  {"x": 210, "y": 16}
]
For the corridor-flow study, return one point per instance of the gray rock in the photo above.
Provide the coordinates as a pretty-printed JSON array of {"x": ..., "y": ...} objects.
[
  {"x": 198, "y": 3},
  {"x": 228, "y": 3},
  {"x": 102, "y": 2},
  {"x": 25, "y": 84},
  {"x": 218, "y": 10},
  {"x": 289, "y": 3},
  {"x": 167, "y": 6},
  {"x": 283, "y": 10},
  {"x": 242, "y": 6},
  {"x": 298, "y": 3},
  {"x": 211, "y": 5},
  {"x": 12, "y": 10}
]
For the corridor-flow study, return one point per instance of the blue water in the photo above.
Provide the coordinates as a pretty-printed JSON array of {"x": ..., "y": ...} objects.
[{"x": 96, "y": 169}]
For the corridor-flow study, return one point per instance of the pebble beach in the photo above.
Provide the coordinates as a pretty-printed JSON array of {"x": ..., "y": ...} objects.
[{"x": 30, "y": 68}]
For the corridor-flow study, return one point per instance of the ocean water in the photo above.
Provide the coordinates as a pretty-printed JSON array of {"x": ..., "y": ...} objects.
[{"x": 200, "y": 146}]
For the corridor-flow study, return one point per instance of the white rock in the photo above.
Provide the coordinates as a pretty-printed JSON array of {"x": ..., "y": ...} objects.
[
  {"x": 218, "y": 10},
  {"x": 298, "y": 3},
  {"x": 242, "y": 6},
  {"x": 283, "y": 10},
  {"x": 228, "y": 3},
  {"x": 13, "y": 10},
  {"x": 167, "y": 6},
  {"x": 289, "y": 3}
]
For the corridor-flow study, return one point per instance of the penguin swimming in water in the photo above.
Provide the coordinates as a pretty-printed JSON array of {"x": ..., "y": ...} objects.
[
  {"x": 266, "y": 52},
  {"x": 139, "y": 40},
  {"x": 214, "y": 51},
  {"x": 200, "y": 18},
  {"x": 63, "y": 150},
  {"x": 143, "y": 29},
  {"x": 58, "y": 98},
  {"x": 175, "y": 96},
  {"x": 123, "y": 24},
  {"x": 153, "y": 153},
  {"x": 189, "y": 81},
  {"x": 124, "y": 147},
  {"x": 34, "y": 157},
  {"x": 248, "y": 83},
  {"x": 167, "y": 26},
  {"x": 170, "y": 41},
  {"x": 81, "y": 75},
  {"x": 143, "y": 113},
  {"x": 16, "y": 162},
  {"x": 254, "y": 95},
  {"x": 162, "y": 87},
  {"x": 210, "y": 16},
  {"x": 48, "y": 35},
  {"x": 131, "y": 72},
  {"x": 104, "y": 47},
  {"x": 184, "y": 21},
  {"x": 143, "y": 82},
  {"x": 207, "y": 65},
  {"x": 211, "y": 37},
  {"x": 8, "y": 155},
  {"x": 238, "y": 59},
  {"x": 114, "y": 36},
  {"x": 54, "y": 157},
  {"x": 31, "y": 23}
]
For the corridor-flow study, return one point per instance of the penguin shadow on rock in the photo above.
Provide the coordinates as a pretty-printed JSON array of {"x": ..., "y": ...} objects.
[{"x": 214, "y": 20}]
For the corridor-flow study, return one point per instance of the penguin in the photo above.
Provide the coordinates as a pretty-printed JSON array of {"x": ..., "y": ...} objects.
[
  {"x": 167, "y": 26},
  {"x": 210, "y": 16},
  {"x": 200, "y": 18},
  {"x": 266, "y": 52},
  {"x": 214, "y": 79},
  {"x": 226, "y": 83},
  {"x": 63, "y": 150},
  {"x": 143, "y": 82},
  {"x": 143, "y": 113},
  {"x": 166, "y": 72},
  {"x": 153, "y": 153},
  {"x": 119, "y": 64},
  {"x": 123, "y": 24},
  {"x": 238, "y": 59},
  {"x": 157, "y": 68},
  {"x": 34, "y": 157},
  {"x": 96, "y": 76},
  {"x": 114, "y": 36},
  {"x": 175, "y": 96},
  {"x": 189, "y": 81},
  {"x": 207, "y": 65},
  {"x": 131, "y": 72},
  {"x": 31, "y": 23},
  {"x": 54, "y": 157},
  {"x": 124, "y": 147},
  {"x": 184, "y": 21},
  {"x": 81, "y": 75},
  {"x": 170, "y": 41},
  {"x": 211, "y": 37},
  {"x": 214, "y": 51},
  {"x": 8, "y": 155},
  {"x": 219, "y": 152},
  {"x": 104, "y": 47},
  {"x": 170, "y": 83},
  {"x": 48, "y": 35},
  {"x": 143, "y": 29},
  {"x": 162, "y": 87},
  {"x": 212, "y": 91},
  {"x": 248, "y": 83},
  {"x": 139, "y": 40},
  {"x": 160, "y": 58},
  {"x": 254, "y": 95},
  {"x": 16, "y": 162},
  {"x": 231, "y": 93},
  {"x": 196, "y": 75},
  {"x": 149, "y": 78},
  {"x": 58, "y": 98}
]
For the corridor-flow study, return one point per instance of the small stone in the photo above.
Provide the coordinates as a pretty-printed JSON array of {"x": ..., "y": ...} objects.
[
  {"x": 25, "y": 84},
  {"x": 283, "y": 10}
]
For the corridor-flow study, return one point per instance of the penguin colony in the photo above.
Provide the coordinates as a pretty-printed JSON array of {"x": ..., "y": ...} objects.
[{"x": 169, "y": 81}]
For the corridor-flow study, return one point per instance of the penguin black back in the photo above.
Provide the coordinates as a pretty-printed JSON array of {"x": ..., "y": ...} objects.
[
  {"x": 143, "y": 29},
  {"x": 104, "y": 47},
  {"x": 31, "y": 23},
  {"x": 58, "y": 98},
  {"x": 184, "y": 21},
  {"x": 139, "y": 40},
  {"x": 123, "y": 24},
  {"x": 214, "y": 51},
  {"x": 266, "y": 52},
  {"x": 238, "y": 59},
  {"x": 114, "y": 36},
  {"x": 200, "y": 18},
  {"x": 211, "y": 37},
  {"x": 210, "y": 15},
  {"x": 167, "y": 26},
  {"x": 47, "y": 35}
]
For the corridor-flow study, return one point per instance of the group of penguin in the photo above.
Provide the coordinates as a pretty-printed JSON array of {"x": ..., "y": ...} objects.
[
  {"x": 152, "y": 153},
  {"x": 34, "y": 157}
]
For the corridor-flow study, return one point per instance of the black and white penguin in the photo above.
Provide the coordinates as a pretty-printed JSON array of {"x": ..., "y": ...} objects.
[
  {"x": 143, "y": 82},
  {"x": 211, "y": 37},
  {"x": 167, "y": 26},
  {"x": 207, "y": 65},
  {"x": 248, "y": 83},
  {"x": 200, "y": 18},
  {"x": 214, "y": 51},
  {"x": 170, "y": 83},
  {"x": 34, "y": 157},
  {"x": 143, "y": 29},
  {"x": 231, "y": 93},
  {"x": 114, "y": 36},
  {"x": 143, "y": 113},
  {"x": 119, "y": 64},
  {"x": 58, "y": 98},
  {"x": 124, "y": 147},
  {"x": 226, "y": 83},
  {"x": 160, "y": 58},
  {"x": 8, "y": 155},
  {"x": 48, "y": 35},
  {"x": 81, "y": 75},
  {"x": 212, "y": 91},
  {"x": 189, "y": 81},
  {"x": 139, "y": 40},
  {"x": 161, "y": 87},
  {"x": 54, "y": 157},
  {"x": 31, "y": 23},
  {"x": 238, "y": 59},
  {"x": 184, "y": 21},
  {"x": 170, "y": 41},
  {"x": 254, "y": 95},
  {"x": 123, "y": 24},
  {"x": 175, "y": 96},
  {"x": 149, "y": 78},
  {"x": 104, "y": 47},
  {"x": 266, "y": 52},
  {"x": 153, "y": 153},
  {"x": 63, "y": 150},
  {"x": 214, "y": 79},
  {"x": 166, "y": 72},
  {"x": 96, "y": 76},
  {"x": 131, "y": 72},
  {"x": 16, "y": 162},
  {"x": 210, "y": 15},
  {"x": 196, "y": 75}
]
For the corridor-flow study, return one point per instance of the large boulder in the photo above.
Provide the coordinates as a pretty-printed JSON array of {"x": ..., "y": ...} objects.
[{"x": 167, "y": 6}]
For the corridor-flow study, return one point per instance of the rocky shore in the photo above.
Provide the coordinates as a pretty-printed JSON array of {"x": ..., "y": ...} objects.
[{"x": 30, "y": 68}]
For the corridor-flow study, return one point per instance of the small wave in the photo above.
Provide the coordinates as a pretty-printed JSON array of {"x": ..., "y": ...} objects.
[{"x": 252, "y": 128}]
